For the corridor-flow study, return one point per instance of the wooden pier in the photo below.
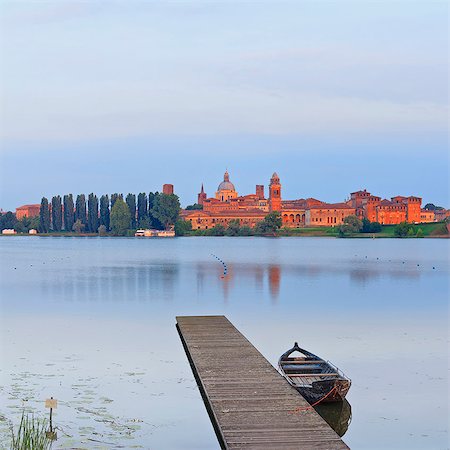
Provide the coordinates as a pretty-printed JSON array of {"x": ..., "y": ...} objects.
[{"x": 250, "y": 404}]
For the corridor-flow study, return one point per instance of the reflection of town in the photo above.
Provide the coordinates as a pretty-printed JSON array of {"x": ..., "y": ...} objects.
[{"x": 163, "y": 281}]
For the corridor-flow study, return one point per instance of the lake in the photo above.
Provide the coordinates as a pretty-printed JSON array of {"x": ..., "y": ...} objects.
[{"x": 91, "y": 322}]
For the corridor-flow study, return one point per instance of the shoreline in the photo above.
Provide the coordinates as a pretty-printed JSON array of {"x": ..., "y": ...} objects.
[{"x": 283, "y": 235}]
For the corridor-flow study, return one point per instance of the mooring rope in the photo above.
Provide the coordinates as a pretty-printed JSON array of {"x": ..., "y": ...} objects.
[{"x": 307, "y": 408}]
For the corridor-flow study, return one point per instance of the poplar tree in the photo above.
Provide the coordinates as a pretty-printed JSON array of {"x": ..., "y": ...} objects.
[
  {"x": 56, "y": 213},
  {"x": 69, "y": 218},
  {"x": 44, "y": 216},
  {"x": 104, "y": 211},
  {"x": 131, "y": 202},
  {"x": 92, "y": 213},
  {"x": 142, "y": 210},
  {"x": 154, "y": 221},
  {"x": 80, "y": 209},
  {"x": 114, "y": 198}
]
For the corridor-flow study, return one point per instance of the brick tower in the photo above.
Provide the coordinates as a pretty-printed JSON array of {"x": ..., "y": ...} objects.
[
  {"x": 275, "y": 193},
  {"x": 201, "y": 197}
]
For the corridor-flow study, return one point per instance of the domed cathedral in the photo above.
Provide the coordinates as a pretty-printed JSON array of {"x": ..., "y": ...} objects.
[
  {"x": 275, "y": 193},
  {"x": 226, "y": 191}
]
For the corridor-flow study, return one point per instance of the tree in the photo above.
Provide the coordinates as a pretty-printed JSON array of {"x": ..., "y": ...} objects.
[
  {"x": 351, "y": 225},
  {"x": 44, "y": 216},
  {"x": 354, "y": 223},
  {"x": 419, "y": 233},
  {"x": 182, "y": 227},
  {"x": 370, "y": 227},
  {"x": 25, "y": 224},
  {"x": 114, "y": 198},
  {"x": 80, "y": 209},
  {"x": 194, "y": 207},
  {"x": 78, "y": 226},
  {"x": 375, "y": 227},
  {"x": 56, "y": 213},
  {"x": 8, "y": 221},
  {"x": 142, "y": 210},
  {"x": 154, "y": 222},
  {"x": 104, "y": 211},
  {"x": 166, "y": 209},
  {"x": 402, "y": 229},
  {"x": 69, "y": 218},
  {"x": 245, "y": 231},
  {"x": 102, "y": 230},
  {"x": 270, "y": 224},
  {"x": 92, "y": 223},
  {"x": 120, "y": 218},
  {"x": 234, "y": 228},
  {"x": 131, "y": 203},
  {"x": 432, "y": 207},
  {"x": 217, "y": 230}
]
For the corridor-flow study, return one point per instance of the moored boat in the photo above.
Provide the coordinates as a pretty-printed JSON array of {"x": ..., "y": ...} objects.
[{"x": 316, "y": 379}]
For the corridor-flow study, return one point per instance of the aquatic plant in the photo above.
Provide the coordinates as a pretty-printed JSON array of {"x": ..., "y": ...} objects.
[{"x": 31, "y": 434}]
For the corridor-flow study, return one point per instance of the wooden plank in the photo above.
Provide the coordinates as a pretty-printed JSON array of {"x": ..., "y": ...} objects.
[{"x": 250, "y": 404}]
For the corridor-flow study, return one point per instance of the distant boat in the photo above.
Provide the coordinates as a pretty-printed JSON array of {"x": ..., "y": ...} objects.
[{"x": 317, "y": 380}]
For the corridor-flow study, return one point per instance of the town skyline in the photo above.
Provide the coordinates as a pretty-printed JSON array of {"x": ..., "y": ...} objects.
[{"x": 210, "y": 189}]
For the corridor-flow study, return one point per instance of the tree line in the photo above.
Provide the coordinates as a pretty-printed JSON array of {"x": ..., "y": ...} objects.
[{"x": 109, "y": 214}]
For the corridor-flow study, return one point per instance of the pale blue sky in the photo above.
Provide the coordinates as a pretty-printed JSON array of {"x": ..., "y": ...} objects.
[{"x": 123, "y": 96}]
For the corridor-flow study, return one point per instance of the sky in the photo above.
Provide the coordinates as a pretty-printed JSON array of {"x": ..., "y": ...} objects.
[{"x": 115, "y": 96}]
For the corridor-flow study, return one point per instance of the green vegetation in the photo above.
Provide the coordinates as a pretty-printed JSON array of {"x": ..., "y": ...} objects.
[
  {"x": 92, "y": 222},
  {"x": 194, "y": 207},
  {"x": 370, "y": 227},
  {"x": 142, "y": 211},
  {"x": 270, "y": 225},
  {"x": 31, "y": 434},
  {"x": 80, "y": 209},
  {"x": 104, "y": 212},
  {"x": 44, "y": 216},
  {"x": 120, "y": 218},
  {"x": 69, "y": 218},
  {"x": 78, "y": 227},
  {"x": 131, "y": 203},
  {"x": 351, "y": 226},
  {"x": 183, "y": 227},
  {"x": 56, "y": 213},
  {"x": 433, "y": 207},
  {"x": 8, "y": 220},
  {"x": 166, "y": 209}
]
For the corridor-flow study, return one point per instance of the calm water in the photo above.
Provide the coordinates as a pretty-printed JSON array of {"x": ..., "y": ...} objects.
[{"x": 91, "y": 322}]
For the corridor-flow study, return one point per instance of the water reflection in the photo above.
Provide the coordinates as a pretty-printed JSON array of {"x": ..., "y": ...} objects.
[
  {"x": 161, "y": 280},
  {"x": 336, "y": 414}
]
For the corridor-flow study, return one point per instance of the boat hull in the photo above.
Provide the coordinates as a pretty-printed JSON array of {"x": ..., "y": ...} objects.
[{"x": 325, "y": 391}]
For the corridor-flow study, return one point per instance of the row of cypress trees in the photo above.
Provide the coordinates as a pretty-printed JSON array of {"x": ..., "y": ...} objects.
[{"x": 64, "y": 214}]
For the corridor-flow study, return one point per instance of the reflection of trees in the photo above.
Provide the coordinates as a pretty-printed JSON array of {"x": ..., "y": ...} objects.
[{"x": 117, "y": 283}]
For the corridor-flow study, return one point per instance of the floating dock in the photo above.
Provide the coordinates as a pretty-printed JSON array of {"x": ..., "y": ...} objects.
[{"x": 251, "y": 406}]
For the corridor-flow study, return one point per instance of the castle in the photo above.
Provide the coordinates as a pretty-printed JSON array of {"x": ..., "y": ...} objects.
[{"x": 249, "y": 209}]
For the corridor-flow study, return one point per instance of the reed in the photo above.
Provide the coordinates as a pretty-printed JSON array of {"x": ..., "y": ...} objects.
[{"x": 31, "y": 434}]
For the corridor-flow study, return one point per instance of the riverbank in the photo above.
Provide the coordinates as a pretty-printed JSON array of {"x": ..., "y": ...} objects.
[{"x": 428, "y": 230}]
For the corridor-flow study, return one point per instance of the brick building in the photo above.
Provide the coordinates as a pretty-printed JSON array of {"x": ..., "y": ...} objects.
[{"x": 27, "y": 211}]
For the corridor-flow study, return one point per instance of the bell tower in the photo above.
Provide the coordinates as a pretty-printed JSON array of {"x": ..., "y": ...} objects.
[
  {"x": 275, "y": 193},
  {"x": 201, "y": 196}
]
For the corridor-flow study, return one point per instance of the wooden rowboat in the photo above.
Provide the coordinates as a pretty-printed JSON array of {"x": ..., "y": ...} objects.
[{"x": 317, "y": 380}]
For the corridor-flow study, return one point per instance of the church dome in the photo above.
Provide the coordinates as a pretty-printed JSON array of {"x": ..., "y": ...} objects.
[{"x": 226, "y": 184}]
